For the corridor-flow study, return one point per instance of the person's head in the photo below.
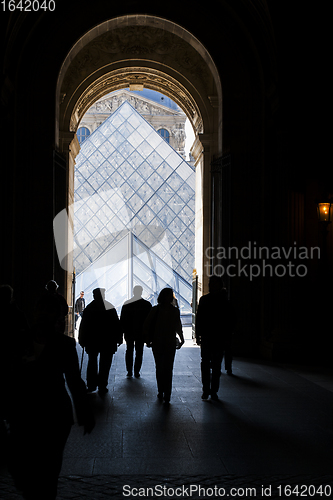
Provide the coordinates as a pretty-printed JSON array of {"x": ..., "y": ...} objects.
[
  {"x": 6, "y": 294},
  {"x": 51, "y": 286},
  {"x": 81, "y": 294},
  {"x": 99, "y": 293},
  {"x": 165, "y": 296},
  {"x": 137, "y": 291},
  {"x": 215, "y": 284}
]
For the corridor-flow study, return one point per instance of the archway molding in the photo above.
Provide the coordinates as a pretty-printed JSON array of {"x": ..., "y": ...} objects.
[{"x": 135, "y": 76}]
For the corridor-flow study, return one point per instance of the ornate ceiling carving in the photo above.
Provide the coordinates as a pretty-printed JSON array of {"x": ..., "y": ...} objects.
[
  {"x": 161, "y": 54},
  {"x": 126, "y": 43}
]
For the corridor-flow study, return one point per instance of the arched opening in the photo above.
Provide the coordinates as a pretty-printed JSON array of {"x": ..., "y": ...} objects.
[{"x": 151, "y": 53}]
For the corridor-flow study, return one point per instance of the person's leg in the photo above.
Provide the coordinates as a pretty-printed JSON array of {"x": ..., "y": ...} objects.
[
  {"x": 37, "y": 458},
  {"x": 51, "y": 461},
  {"x": 139, "y": 344},
  {"x": 105, "y": 361},
  {"x": 216, "y": 361},
  {"x": 158, "y": 357},
  {"x": 169, "y": 358},
  {"x": 129, "y": 356},
  {"x": 228, "y": 357},
  {"x": 92, "y": 370},
  {"x": 205, "y": 371}
]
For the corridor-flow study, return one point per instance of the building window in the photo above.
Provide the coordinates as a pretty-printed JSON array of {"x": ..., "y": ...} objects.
[
  {"x": 165, "y": 134},
  {"x": 82, "y": 134}
]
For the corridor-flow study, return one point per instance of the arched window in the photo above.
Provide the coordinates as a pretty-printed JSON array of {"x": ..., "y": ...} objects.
[
  {"x": 165, "y": 134},
  {"x": 82, "y": 134}
]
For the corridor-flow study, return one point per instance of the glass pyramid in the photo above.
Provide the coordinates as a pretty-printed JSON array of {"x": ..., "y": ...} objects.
[
  {"x": 130, "y": 181},
  {"x": 129, "y": 263}
]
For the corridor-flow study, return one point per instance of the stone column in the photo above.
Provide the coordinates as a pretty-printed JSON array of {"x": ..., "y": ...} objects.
[
  {"x": 70, "y": 146},
  {"x": 201, "y": 152}
]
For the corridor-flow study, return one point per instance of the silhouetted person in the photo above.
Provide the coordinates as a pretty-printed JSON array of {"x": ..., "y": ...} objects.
[
  {"x": 161, "y": 328},
  {"x": 99, "y": 334},
  {"x": 133, "y": 314},
  {"x": 213, "y": 330},
  {"x": 52, "y": 289},
  {"x": 80, "y": 304},
  {"x": 41, "y": 415}
]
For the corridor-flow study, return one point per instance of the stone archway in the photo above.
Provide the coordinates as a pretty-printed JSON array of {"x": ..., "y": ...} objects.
[
  {"x": 139, "y": 49},
  {"x": 160, "y": 55}
]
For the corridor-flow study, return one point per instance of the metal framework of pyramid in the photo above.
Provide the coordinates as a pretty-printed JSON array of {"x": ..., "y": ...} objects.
[{"x": 133, "y": 190}]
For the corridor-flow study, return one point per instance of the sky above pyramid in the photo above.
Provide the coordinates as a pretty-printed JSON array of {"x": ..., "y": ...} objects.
[{"x": 128, "y": 178}]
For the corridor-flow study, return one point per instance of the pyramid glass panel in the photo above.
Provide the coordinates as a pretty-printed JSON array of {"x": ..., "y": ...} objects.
[{"x": 134, "y": 194}]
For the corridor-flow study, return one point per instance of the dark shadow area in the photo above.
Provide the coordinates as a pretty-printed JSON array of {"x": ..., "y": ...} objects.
[
  {"x": 250, "y": 382},
  {"x": 276, "y": 445}
]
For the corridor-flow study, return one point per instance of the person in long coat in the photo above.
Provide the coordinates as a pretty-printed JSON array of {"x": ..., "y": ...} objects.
[
  {"x": 161, "y": 329},
  {"x": 133, "y": 315},
  {"x": 213, "y": 330},
  {"x": 100, "y": 334},
  {"x": 40, "y": 413}
]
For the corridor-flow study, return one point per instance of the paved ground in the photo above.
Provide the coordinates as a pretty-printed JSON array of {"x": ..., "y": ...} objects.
[{"x": 272, "y": 427}]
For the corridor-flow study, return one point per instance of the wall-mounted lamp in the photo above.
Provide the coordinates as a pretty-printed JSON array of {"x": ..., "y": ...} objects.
[{"x": 324, "y": 210}]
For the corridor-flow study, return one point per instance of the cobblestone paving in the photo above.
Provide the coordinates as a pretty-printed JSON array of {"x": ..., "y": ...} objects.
[
  {"x": 270, "y": 433},
  {"x": 104, "y": 487}
]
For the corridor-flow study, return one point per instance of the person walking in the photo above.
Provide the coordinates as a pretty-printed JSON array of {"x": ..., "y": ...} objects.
[
  {"x": 99, "y": 334},
  {"x": 161, "y": 329},
  {"x": 80, "y": 304},
  {"x": 40, "y": 414},
  {"x": 213, "y": 330},
  {"x": 132, "y": 317}
]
